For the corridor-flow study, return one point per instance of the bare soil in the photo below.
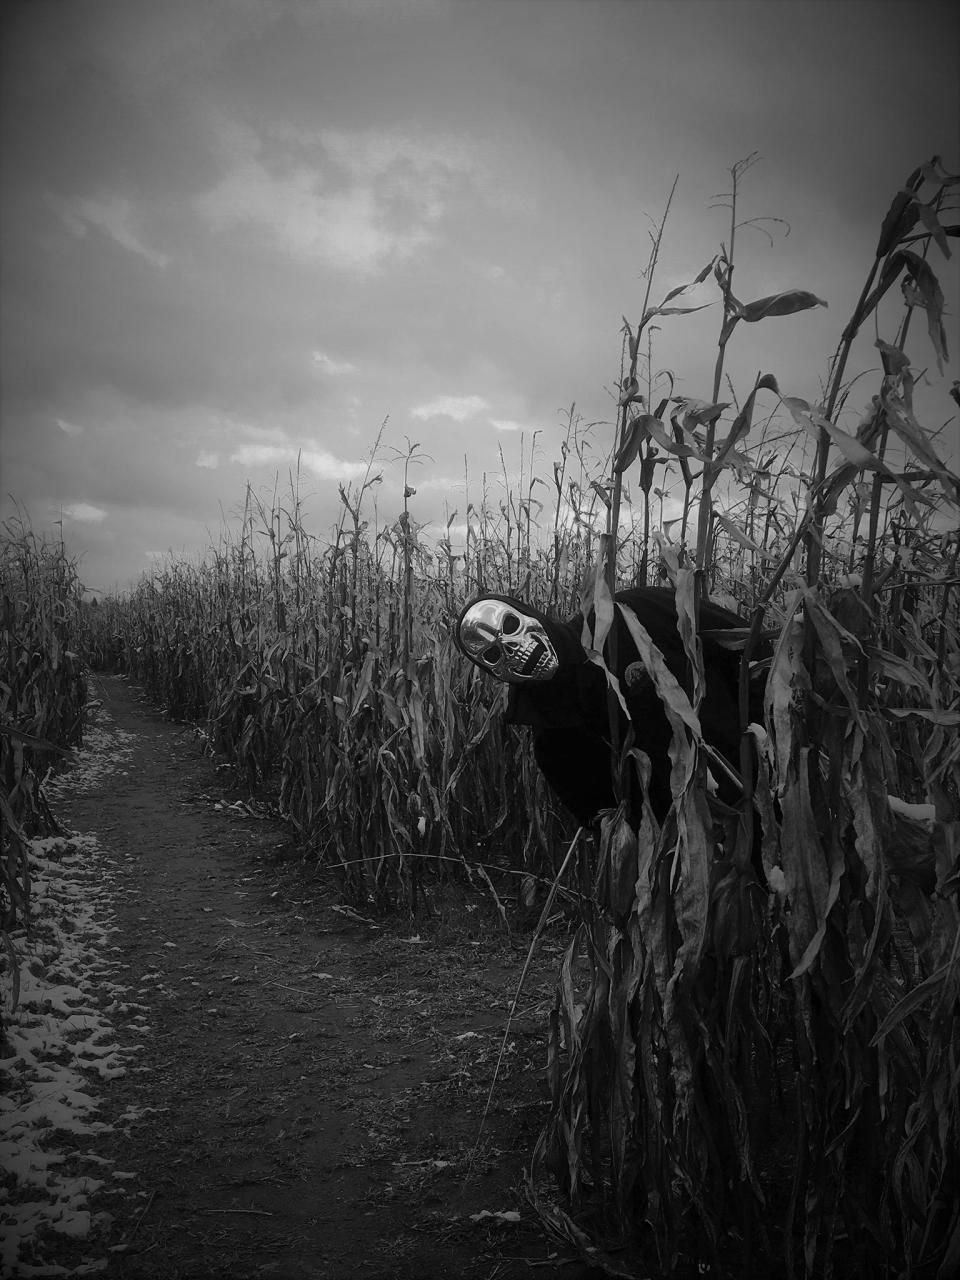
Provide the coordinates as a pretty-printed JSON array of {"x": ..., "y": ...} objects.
[{"x": 311, "y": 1084}]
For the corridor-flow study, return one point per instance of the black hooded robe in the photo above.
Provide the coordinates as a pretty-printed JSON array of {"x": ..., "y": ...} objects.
[{"x": 570, "y": 719}]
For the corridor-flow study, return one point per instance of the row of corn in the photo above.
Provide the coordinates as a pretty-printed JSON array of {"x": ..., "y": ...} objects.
[{"x": 42, "y": 695}]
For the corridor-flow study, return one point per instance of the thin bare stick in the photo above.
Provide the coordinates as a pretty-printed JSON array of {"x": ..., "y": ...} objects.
[
  {"x": 541, "y": 924},
  {"x": 143, "y": 1214},
  {"x": 256, "y": 1213}
]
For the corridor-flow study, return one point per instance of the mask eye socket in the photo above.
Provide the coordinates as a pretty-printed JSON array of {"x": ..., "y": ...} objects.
[
  {"x": 510, "y": 624},
  {"x": 491, "y": 655}
]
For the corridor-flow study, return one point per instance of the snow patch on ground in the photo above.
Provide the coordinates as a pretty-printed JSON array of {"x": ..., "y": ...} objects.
[
  {"x": 107, "y": 750},
  {"x": 71, "y": 1032}
]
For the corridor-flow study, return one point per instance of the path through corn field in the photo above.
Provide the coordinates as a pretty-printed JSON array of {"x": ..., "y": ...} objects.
[{"x": 300, "y": 1091}]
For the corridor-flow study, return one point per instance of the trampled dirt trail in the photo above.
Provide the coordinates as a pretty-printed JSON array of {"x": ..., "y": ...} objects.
[{"x": 309, "y": 1087}]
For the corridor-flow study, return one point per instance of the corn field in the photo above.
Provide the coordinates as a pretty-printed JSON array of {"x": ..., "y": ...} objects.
[
  {"x": 42, "y": 697},
  {"x": 760, "y": 1069}
]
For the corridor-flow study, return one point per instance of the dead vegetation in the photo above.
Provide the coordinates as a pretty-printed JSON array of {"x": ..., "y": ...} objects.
[{"x": 756, "y": 1074}]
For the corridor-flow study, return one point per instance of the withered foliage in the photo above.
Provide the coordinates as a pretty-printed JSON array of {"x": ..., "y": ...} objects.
[
  {"x": 755, "y": 1047},
  {"x": 754, "y": 1052},
  {"x": 42, "y": 699}
]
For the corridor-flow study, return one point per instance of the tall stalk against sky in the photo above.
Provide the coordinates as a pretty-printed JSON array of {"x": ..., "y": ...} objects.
[
  {"x": 628, "y": 438},
  {"x": 723, "y": 271}
]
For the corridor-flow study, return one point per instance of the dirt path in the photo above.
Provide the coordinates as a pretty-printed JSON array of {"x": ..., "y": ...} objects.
[{"x": 309, "y": 1087}]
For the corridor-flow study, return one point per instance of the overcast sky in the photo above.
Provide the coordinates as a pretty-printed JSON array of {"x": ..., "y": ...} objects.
[{"x": 238, "y": 230}]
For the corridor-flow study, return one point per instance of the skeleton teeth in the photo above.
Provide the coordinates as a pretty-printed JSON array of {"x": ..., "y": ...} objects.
[{"x": 532, "y": 659}]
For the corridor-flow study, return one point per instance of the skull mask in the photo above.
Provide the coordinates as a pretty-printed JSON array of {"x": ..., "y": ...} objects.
[{"x": 501, "y": 639}]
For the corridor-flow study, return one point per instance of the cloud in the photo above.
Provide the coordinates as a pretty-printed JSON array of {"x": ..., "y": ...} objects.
[
  {"x": 208, "y": 460},
  {"x": 407, "y": 162},
  {"x": 329, "y": 365},
  {"x": 69, "y": 428},
  {"x": 426, "y": 167},
  {"x": 444, "y": 484},
  {"x": 114, "y": 216},
  {"x": 152, "y": 47},
  {"x": 349, "y": 200},
  {"x": 492, "y": 271},
  {"x": 392, "y": 10},
  {"x": 84, "y": 513},
  {"x": 507, "y": 424},
  {"x": 457, "y": 407},
  {"x": 319, "y": 461},
  {"x": 457, "y": 532},
  {"x": 266, "y": 435},
  {"x": 343, "y": 230}
]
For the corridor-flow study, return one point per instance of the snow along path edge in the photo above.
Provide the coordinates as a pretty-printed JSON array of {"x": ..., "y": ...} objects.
[{"x": 73, "y": 1029}]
